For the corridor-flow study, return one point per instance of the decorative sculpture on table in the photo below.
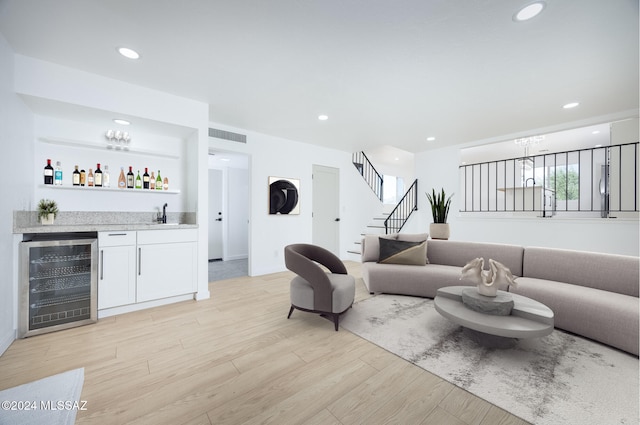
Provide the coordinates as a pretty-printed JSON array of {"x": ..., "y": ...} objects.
[{"x": 487, "y": 281}]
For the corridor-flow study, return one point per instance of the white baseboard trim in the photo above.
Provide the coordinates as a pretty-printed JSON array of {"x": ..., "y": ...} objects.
[
  {"x": 7, "y": 340},
  {"x": 267, "y": 270},
  {"x": 107, "y": 312},
  {"x": 236, "y": 257}
]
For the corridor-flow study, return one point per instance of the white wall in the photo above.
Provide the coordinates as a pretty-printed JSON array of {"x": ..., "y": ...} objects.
[
  {"x": 16, "y": 190},
  {"x": 78, "y": 90},
  {"x": 173, "y": 167},
  {"x": 273, "y": 156},
  {"x": 439, "y": 169}
]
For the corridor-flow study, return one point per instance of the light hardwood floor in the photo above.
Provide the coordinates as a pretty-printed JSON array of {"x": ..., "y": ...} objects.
[{"x": 236, "y": 359}]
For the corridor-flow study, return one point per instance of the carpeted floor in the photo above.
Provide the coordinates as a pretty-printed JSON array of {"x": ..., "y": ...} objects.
[{"x": 558, "y": 379}]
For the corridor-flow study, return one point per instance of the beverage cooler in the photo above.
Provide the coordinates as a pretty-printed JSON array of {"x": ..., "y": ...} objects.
[{"x": 58, "y": 283}]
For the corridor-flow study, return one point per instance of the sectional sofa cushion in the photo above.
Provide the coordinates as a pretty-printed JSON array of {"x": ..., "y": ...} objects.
[
  {"x": 457, "y": 253},
  {"x": 612, "y": 318},
  {"x": 403, "y": 252},
  {"x": 609, "y": 272},
  {"x": 410, "y": 280}
]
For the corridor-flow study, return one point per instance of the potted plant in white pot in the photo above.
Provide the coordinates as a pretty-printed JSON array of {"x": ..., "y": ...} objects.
[
  {"x": 47, "y": 211},
  {"x": 439, "y": 229}
]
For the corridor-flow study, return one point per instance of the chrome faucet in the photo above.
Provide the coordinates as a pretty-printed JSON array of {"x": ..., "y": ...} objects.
[{"x": 162, "y": 218}]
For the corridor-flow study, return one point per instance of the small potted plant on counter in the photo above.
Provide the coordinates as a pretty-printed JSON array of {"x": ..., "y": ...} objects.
[
  {"x": 439, "y": 229},
  {"x": 47, "y": 211}
]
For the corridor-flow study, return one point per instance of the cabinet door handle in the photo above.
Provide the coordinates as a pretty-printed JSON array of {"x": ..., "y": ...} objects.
[
  {"x": 102, "y": 264},
  {"x": 139, "y": 261},
  {"x": 117, "y": 234}
]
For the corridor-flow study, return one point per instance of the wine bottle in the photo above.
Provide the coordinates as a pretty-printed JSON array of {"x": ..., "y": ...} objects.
[
  {"x": 145, "y": 178},
  {"x": 57, "y": 174},
  {"x": 76, "y": 177},
  {"x": 97, "y": 176},
  {"x": 106, "y": 178},
  {"x": 122, "y": 181},
  {"x": 130, "y": 178},
  {"x": 90, "y": 178},
  {"x": 138, "y": 181},
  {"x": 152, "y": 181},
  {"x": 48, "y": 173},
  {"x": 158, "y": 181},
  {"x": 165, "y": 184},
  {"x": 83, "y": 177}
]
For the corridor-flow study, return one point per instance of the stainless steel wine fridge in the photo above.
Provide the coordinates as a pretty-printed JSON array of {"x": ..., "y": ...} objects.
[{"x": 58, "y": 284}]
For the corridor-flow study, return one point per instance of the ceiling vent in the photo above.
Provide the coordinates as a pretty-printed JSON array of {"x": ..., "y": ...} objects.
[{"x": 227, "y": 135}]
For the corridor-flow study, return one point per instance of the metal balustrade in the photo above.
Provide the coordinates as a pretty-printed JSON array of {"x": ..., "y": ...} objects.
[
  {"x": 400, "y": 214},
  {"x": 369, "y": 173},
  {"x": 602, "y": 179}
]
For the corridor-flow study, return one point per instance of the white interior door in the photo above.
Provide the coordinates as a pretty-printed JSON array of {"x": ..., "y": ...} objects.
[
  {"x": 215, "y": 215},
  {"x": 326, "y": 208}
]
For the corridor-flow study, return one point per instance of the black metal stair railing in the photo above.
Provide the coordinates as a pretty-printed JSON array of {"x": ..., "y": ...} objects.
[
  {"x": 401, "y": 213},
  {"x": 600, "y": 180},
  {"x": 368, "y": 172}
]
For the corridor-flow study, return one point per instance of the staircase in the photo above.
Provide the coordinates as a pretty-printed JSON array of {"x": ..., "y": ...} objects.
[
  {"x": 387, "y": 222},
  {"x": 368, "y": 173}
]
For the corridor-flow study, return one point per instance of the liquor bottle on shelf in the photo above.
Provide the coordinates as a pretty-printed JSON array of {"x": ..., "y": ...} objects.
[
  {"x": 138, "y": 181},
  {"x": 48, "y": 173},
  {"x": 130, "y": 178},
  {"x": 106, "y": 178},
  {"x": 98, "y": 177},
  {"x": 158, "y": 181},
  {"x": 57, "y": 174},
  {"x": 145, "y": 178},
  {"x": 122, "y": 181},
  {"x": 90, "y": 178},
  {"x": 76, "y": 177},
  {"x": 83, "y": 177},
  {"x": 152, "y": 181},
  {"x": 165, "y": 184}
]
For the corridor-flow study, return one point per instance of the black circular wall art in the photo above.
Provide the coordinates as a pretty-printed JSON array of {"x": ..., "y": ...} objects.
[{"x": 283, "y": 197}]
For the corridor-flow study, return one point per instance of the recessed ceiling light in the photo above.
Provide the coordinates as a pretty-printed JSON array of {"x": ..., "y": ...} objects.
[
  {"x": 323, "y": 117},
  {"x": 595, "y": 132},
  {"x": 598, "y": 146},
  {"x": 571, "y": 105},
  {"x": 529, "y": 11},
  {"x": 121, "y": 121},
  {"x": 430, "y": 139},
  {"x": 128, "y": 53}
]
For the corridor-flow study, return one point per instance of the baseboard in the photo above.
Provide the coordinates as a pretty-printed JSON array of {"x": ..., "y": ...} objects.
[
  {"x": 7, "y": 340},
  {"x": 142, "y": 306},
  {"x": 267, "y": 270},
  {"x": 236, "y": 257}
]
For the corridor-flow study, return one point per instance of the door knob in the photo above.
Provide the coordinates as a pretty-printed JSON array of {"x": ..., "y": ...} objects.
[
  {"x": 218, "y": 219},
  {"x": 337, "y": 219}
]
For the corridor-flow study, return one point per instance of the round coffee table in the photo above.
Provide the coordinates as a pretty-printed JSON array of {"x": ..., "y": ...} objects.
[{"x": 528, "y": 319}]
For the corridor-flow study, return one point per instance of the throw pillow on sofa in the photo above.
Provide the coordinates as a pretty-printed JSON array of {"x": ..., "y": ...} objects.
[{"x": 402, "y": 252}]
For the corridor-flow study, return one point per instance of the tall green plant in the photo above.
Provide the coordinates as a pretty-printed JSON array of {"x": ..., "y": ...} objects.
[{"x": 439, "y": 205}]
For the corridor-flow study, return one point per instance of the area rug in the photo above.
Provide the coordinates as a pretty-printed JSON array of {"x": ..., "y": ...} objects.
[
  {"x": 54, "y": 400},
  {"x": 559, "y": 379}
]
